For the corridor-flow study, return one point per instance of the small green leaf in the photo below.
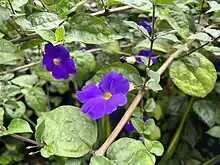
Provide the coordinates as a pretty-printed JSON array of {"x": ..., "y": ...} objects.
[
  {"x": 215, "y": 6},
  {"x": 157, "y": 148},
  {"x": 213, "y": 32},
  {"x": 200, "y": 36},
  {"x": 17, "y": 112},
  {"x": 131, "y": 152},
  {"x": 144, "y": 5},
  {"x": 74, "y": 161},
  {"x": 213, "y": 49},
  {"x": 135, "y": 26},
  {"x": 66, "y": 132},
  {"x": 18, "y": 3},
  {"x": 17, "y": 126},
  {"x": 90, "y": 29},
  {"x": 194, "y": 81},
  {"x": 138, "y": 124},
  {"x": 150, "y": 105},
  {"x": 101, "y": 160},
  {"x": 8, "y": 52},
  {"x": 192, "y": 61},
  {"x": 4, "y": 15},
  {"x": 128, "y": 71},
  {"x": 36, "y": 99},
  {"x": 47, "y": 35},
  {"x": 85, "y": 63},
  {"x": 205, "y": 110},
  {"x": 149, "y": 126},
  {"x": 214, "y": 131},
  {"x": 164, "y": 2},
  {"x": 25, "y": 80},
  {"x": 60, "y": 33}
]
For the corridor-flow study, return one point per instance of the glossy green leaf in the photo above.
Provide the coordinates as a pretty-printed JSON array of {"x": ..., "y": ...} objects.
[
  {"x": 66, "y": 132},
  {"x": 60, "y": 33},
  {"x": 157, "y": 148},
  {"x": 74, "y": 162},
  {"x": 17, "y": 112},
  {"x": 25, "y": 80},
  {"x": 17, "y": 126},
  {"x": 200, "y": 36},
  {"x": 214, "y": 131},
  {"x": 90, "y": 29},
  {"x": 144, "y": 5},
  {"x": 36, "y": 99},
  {"x": 85, "y": 63},
  {"x": 131, "y": 152},
  {"x": 43, "y": 20},
  {"x": 8, "y": 52},
  {"x": 137, "y": 27},
  {"x": 205, "y": 110},
  {"x": 47, "y": 35},
  {"x": 101, "y": 160},
  {"x": 164, "y": 2},
  {"x": 214, "y": 6},
  {"x": 18, "y": 3},
  {"x": 213, "y": 32},
  {"x": 4, "y": 15},
  {"x": 128, "y": 71},
  {"x": 195, "y": 81},
  {"x": 214, "y": 50},
  {"x": 150, "y": 105},
  {"x": 138, "y": 124}
]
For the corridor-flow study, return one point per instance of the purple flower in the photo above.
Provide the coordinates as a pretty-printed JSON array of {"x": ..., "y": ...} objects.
[
  {"x": 92, "y": 6},
  {"x": 129, "y": 126},
  {"x": 57, "y": 60},
  {"x": 106, "y": 97},
  {"x": 146, "y": 23},
  {"x": 139, "y": 58}
]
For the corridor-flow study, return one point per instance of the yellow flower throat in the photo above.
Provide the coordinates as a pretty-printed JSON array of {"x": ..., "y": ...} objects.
[
  {"x": 56, "y": 61},
  {"x": 107, "y": 95}
]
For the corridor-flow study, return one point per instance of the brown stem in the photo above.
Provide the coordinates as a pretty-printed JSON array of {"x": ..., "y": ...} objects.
[{"x": 101, "y": 151}]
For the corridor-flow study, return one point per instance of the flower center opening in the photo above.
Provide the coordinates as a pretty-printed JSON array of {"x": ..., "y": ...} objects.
[
  {"x": 107, "y": 95},
  {"x": 56, "y": 61}
]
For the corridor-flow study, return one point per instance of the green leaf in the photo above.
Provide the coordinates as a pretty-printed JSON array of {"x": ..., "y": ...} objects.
[
  {"x": 12, "y": 90},
  {"x": 215, "y": 6},
  {"x": 36, "y": 99},
  {"x": 214, "y": 131},
  {"x": 60, "y": 33},
  {"x": 213, "y": 32},
  {"x": 43, "y": 20},
  {"x": 200, "y": 36},
  {"x": 47, "y": 35},
  {"x": 8, "y": 52},
  {"x": 153, "y": 83},
  {"x": 43, "y": 74},
  {"x": 131, "y": 152},
  {"x": 4, "y": 15},
  {"x": 205, "y": 110},
  {"x": 213, "y": 49},
  {"x": 90, "y": 29},
  {"x": 135, "y": 26},
  {"x": 170, "y": 37},
  {"x": 149, "y": 126},
  {"x": 217, "y": 87},
  {"x": 1, "y": 116},
  {"x": 66, "y": 7},
  {"x": 144, "y": 5},
  {"x": 176, "y": 19},
  {"x": 74, "y": 162},
  {"x": 194, "y": 81},
  {"x": 67, "y": 132},
  {"x": 192, "y": 61},
  {"x": 164, "y": 2},
  {"x": 128, "y": 71},
  {"x": 18, "y": 3},
  {"x": 85, "y": 63},
  {"x": 157, "y": 148},
  {"x": 150, "y": 105},
  {"x": 138, "y": 124},
  {"x": 17, "y": 126},
  {"x": 101, "y": 160},
  {"x": 17, "y": 112},
  {"x": 25, "y": 80}
]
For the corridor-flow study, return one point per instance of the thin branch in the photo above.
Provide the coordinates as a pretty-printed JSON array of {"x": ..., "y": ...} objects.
[
  {"x": 101, "y": 151},
  {"x": 200, "y": 15},
  {"x": 19, "y": 68},
  {"x": 152, "y": 39},
  {"x": 99, "y": 13},
  {"x": 45, "y": 7},
  {"x": 12, "y": 9},
  {"x": 213, "y": 161}
]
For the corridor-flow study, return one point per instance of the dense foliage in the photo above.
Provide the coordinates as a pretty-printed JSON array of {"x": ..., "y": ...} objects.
[{"x": 109, "y": 82}]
